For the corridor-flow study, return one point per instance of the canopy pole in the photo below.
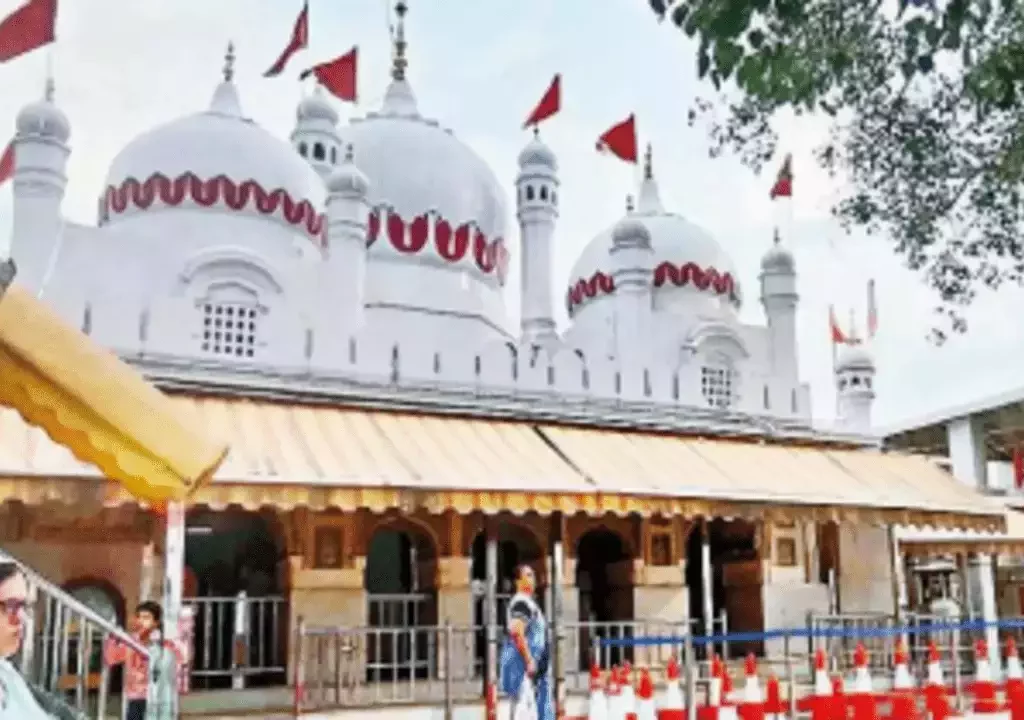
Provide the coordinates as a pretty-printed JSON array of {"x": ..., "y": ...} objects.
[
  {"x": 557, "y": 602},
  {"x": 707, "y": 576},
  {"x": 491, "y": 616}
]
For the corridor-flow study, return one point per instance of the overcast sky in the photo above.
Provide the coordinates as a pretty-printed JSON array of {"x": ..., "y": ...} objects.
[{"x": 479, "y": 67}]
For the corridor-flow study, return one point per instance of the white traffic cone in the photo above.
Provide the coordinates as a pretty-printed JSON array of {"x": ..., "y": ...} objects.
[
  {"x": 645, "y": 709},
  {"x": 616, "y": 710},
  {"x": 751, "y": 706},
  {"x": 861, "y": 675},
  {"x": 598, "y": 706},
  {"x": 901, "y": 672},
  {"x": 984, "y": 686},
  {"x": 672, "y": 705},
  {"x": 628, "y": 694},
  {"x": 934, "y": 666},
  {"x": 822, "y": 684},
  {"x": 774, "y": 707},
  {"x": 936, "y": 695}
]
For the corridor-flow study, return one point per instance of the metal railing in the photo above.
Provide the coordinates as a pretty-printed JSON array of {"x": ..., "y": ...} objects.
[
  {"x": 239, "y": 641},
  {"x": 62, "y": 653}
]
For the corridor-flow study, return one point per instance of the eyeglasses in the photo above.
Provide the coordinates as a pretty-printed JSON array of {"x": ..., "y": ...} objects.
[{"x": 15, "y": 608}]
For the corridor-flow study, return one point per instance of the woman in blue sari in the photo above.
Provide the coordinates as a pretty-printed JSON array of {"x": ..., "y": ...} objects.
[{"x": 526, "y": 651}]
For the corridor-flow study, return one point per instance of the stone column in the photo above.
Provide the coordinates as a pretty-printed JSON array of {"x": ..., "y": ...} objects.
[{"x": 455, "y": 606}]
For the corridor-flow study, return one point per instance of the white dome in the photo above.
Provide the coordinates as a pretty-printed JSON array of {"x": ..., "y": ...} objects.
[
  {"x": 317, "y": 107},
  {"x": 684, "y": 256},
  {"x": 43, "y": 118},
  {"x": 416, "y": 168},
  {"x": 854, "y": 357},
  {"x": 537, "y": 153},
  {"x": 778, "y": 259},
  {"x": 216, "y": 158}
]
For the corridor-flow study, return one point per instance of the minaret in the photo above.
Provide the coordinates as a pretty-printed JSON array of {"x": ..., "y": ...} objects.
[
  {"x": 343, "y": 268},
  {"x": 632, "y": 261},
  {"x": 537, "y": 211},
  {"x": 41, "y": 155},
  {"x": 315, "y": 136},
  {"x": 855, "y": 384},
  {"x": 779, "y": 298}
]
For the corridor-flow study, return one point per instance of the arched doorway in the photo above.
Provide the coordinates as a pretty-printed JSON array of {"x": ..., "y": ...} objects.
[
  {"x": 104, "y": 599},
  {"x": 228, "y": 553},
  {"x": 517, "y": 545},
  {"x": 401, "y": 567},
  {"x": 604, "y": 578}
]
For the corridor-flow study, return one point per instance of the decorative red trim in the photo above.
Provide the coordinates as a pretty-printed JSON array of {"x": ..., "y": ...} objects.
[
  {"x": 207, "y": 193},
  {"x": 708, "y": 279},
  {"x": 412, "y": 237}
]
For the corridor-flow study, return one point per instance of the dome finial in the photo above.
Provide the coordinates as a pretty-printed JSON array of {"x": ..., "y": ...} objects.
[
  {"x": 229, "y": 62},
  {"x": 398, "y": 61},
  {"x": 776, "y": 239},
  {"x": 629, "y": 203},
  {"x": 649, "y": 163},
  {"x": 50, "y": 87}
]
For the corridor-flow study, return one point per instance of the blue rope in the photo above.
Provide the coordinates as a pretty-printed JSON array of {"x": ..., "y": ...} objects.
[{"x": 877, "y": 632}]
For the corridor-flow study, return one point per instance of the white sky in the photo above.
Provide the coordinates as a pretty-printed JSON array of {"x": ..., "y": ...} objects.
[{"x": 479, "y": 67}]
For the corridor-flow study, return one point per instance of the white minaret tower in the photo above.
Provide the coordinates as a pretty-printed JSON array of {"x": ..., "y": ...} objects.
[
  {"x": 40, "y": 161},
  {"x": 632, "y": 261},
  {"x": 315, "y": 136},
  {"x": 855, "y": 385},
  {"x": 342, "y": 272},
  {"x": 537, "y": 210},
  {"x": 779, "y": 298}
]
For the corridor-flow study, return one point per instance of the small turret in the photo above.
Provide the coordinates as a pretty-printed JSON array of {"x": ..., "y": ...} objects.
[
  {"x": 632, "y": 261},
  {"x": 315, "y": 136},
  {"x": 537, "y": 211},
  {"x": 780, "y": 299},
  {"x": 855, "y": 385}
]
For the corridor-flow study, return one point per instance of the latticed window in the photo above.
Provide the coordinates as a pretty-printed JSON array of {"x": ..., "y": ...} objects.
[
  {"x": 230, "y": 328},
  {"x": 718, "y": 385}
]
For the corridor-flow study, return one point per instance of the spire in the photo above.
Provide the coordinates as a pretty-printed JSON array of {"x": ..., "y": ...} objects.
[
  {"x": 398, "y": 61},
  {"x": 629, "y": 203},
  {"x": 650, "y": 197},
  {"x": 50, "y": 87},
  {"x": 776, "y": 239},
  {"x": 229, "y": 63}
]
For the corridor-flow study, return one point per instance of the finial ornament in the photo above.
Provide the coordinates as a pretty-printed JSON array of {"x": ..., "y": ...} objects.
[
  {"x": 648, "y": 163},
  {"x": 777, "y": 240},
  {"x": 49, "y": 88},
  {"x": 229, "y": 63},
  {"x": 399, "y": 62},
  {"x": 629, "y": 204}
]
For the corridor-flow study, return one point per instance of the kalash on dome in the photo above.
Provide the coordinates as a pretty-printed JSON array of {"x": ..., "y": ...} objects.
[{"x": 334, "y": 306}]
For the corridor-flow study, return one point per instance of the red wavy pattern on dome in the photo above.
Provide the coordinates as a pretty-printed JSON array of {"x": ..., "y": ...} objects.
[
  {"x": 452, "y": 244},
  {"x": 601, "y": 283},
  {"x": 219, "y": 190}
]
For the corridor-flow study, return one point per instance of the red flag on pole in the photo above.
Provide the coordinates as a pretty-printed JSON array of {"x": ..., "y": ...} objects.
[
  {"x": 31, "y": 26},
  {"x": 298, "y": 41},
  {"x": 783, "y": 186},
  {"x": 838, "y": 336},
  {"x": 7, "y": 163},
  {"x": 620, "y": 140},
  {"x": 549, "y": 104},
  {"x": 338, "y": 76}
]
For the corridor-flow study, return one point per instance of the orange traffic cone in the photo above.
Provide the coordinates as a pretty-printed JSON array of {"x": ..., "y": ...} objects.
[
  {"x": 711, "y": 710},
  {"x": 983, "y": 689},
  {"x": 672, "y": 705},
  {"x": 861, "y": 697},
  {"x": 598, "y": 706},
  {"x": 820, "y": 703},
  {"x": 1014, "y": 681},
  {"x": 728, "y": 711},
  {"x": 751, "y": 706},
  {"x": 936, "y": 694},
  {"x": 903, "y": 698},
  {"x": 616, "y": 710},
  {"x": 838, "y": 707},
  {"x": 774, "y": 707},
  {"x": 645, "y": 709}
]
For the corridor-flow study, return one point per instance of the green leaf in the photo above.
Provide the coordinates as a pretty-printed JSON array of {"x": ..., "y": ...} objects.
[{"x": 727, "y": 55}]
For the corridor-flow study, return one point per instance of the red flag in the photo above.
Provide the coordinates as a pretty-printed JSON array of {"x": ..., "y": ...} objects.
[
  {"x": 7, "y": 163},
  {"x": 338, "y": 75},
  {"x": 620, "y": 140},
  {"x": 549, "y": 105},
  {"x": 838, "y": 336},
  {"x": 298, "y": 41},
  {"x": 783, "y": 186},
  {"x": 31, "y": 26},
  {"x": 1018, "y": 468}
]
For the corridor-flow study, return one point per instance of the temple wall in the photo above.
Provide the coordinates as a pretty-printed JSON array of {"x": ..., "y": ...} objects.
[{"x": 865, "y": 577}]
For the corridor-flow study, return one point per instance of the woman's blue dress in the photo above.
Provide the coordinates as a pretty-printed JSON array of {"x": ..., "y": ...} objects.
[{"x": 513, "y": 667}]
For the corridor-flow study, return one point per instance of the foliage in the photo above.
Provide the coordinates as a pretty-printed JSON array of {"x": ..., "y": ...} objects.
[{"x": 925, "y": 102}]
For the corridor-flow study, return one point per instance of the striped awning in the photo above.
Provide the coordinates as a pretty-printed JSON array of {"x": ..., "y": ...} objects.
[
  {"x": 934, "y": 542},
  {"x": 289, "y": 454},
  {"x": 88, "y": 401}
]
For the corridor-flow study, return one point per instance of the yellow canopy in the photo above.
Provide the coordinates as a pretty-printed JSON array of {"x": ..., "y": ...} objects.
[{"x": 86, "y": 399}]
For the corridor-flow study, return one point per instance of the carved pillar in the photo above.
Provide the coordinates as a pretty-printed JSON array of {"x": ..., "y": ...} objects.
[{"x": 455, "y": 601}]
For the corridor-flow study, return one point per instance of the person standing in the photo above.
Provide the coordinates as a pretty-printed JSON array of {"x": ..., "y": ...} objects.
[
  {"x": 526, "y": 650},
  {"x": 146, "y": 630}
]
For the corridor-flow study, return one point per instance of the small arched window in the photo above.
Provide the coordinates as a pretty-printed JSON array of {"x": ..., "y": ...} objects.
[
  {"x": 543, "y": 192},
  {"x": 334, "y": 156},
  {"x": 319, "y": 152},
  {"x": 303, "y": 149},
  {"x": 529, "y": 192}
]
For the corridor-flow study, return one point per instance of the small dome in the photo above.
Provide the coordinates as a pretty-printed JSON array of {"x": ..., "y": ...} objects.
[
  {"x": 317, "y": 107},
  {"x": 44, "y": 118},
  {"x": 537, "y": 153},
  {"x": 778, "y": 259},
  {"x": 855, "y": 357},
  {"x": 347, "y": 179},
  {"x": 630, "y": 231}
]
